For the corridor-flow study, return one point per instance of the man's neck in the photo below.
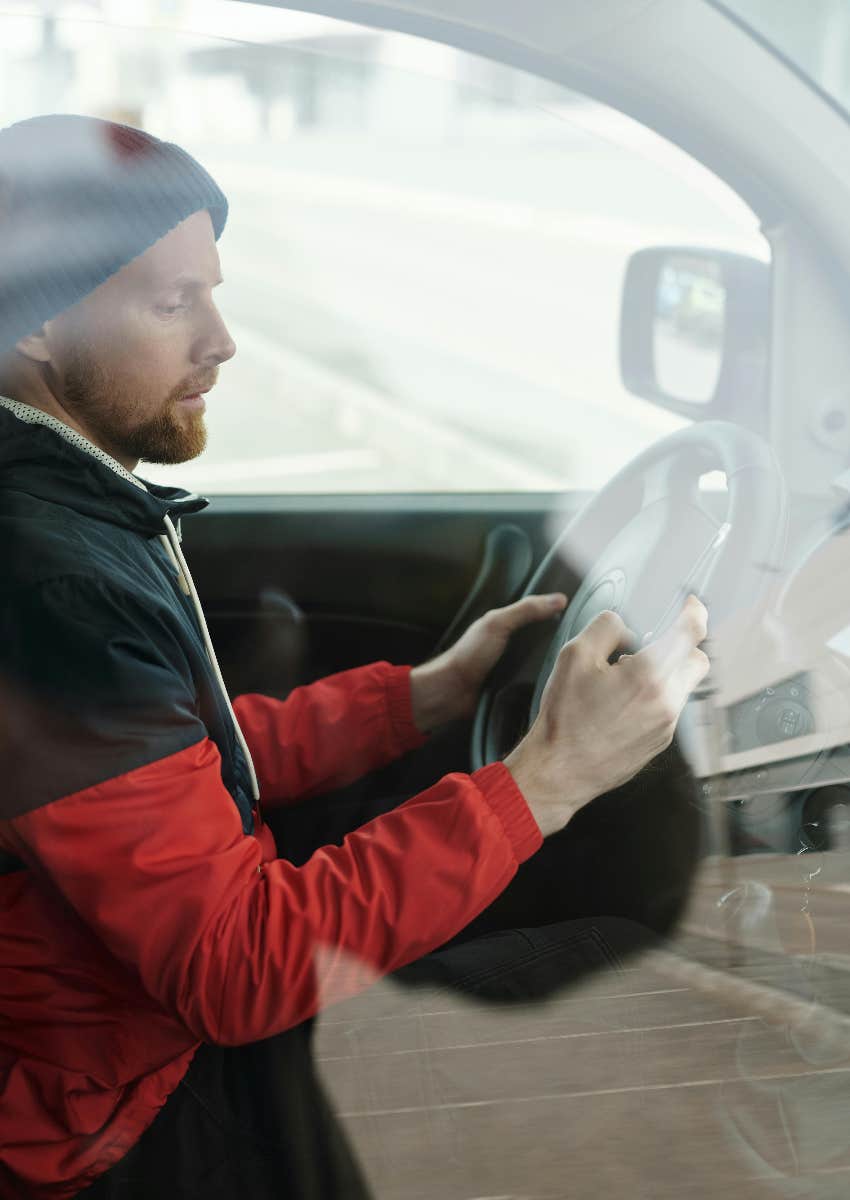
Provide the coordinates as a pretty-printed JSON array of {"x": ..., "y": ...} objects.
[
  {"x": 34, "y": 415},
  {"x": 40, "y": 397}
]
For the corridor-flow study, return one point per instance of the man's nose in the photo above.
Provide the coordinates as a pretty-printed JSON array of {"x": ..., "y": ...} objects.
[{"x": 215, "y": 346}]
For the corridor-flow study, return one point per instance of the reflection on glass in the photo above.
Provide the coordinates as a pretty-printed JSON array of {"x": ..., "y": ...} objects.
[
  {"x": 690, "y": 316},
  {"x": 383, "y": 189},
  {"x": 792, "y": 1057}
]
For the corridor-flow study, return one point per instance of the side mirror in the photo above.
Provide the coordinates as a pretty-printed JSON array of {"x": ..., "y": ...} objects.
[{"x": 694, "y": 333}]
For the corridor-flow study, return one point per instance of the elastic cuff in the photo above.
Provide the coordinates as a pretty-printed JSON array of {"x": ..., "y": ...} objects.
[
  {"x": 406, "y": 735},
  {"x": 499, "y": 789}
]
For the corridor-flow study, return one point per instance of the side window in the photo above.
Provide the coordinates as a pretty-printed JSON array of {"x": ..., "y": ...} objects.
[{"x": 425, "y": 252}]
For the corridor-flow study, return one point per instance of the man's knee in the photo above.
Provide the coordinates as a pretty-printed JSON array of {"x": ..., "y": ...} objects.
[{"x": 532, "y": 964}]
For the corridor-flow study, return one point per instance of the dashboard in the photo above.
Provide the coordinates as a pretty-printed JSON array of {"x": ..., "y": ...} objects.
[{"x": 784, "y": 746}]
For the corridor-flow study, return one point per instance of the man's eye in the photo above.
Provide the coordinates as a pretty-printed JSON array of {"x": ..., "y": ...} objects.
[{"x": 170, "y": 309}]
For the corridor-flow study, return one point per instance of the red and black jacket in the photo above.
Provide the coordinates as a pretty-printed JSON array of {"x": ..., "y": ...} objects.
[{"x": 143, "y": 906}]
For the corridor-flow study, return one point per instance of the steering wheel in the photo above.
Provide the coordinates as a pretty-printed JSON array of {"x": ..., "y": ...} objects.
[{"x": 640, "y": 545}]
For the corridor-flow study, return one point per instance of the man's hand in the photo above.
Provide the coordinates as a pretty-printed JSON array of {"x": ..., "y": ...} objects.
[
  {"x": 599, "y": 723},
  {"x": 448, "y": 687}
]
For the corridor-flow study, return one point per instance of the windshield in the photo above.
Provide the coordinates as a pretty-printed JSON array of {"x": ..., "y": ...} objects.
[
  {"x": 814, "y": 36},
  {"x": 425, "y": 252}
]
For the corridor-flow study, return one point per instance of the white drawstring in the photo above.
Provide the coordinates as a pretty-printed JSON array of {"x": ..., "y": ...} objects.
[
  {"x": 172, "y": 546},
  {"x": 181, "y": 578}
]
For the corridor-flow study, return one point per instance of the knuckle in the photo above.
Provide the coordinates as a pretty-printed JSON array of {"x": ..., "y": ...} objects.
[
  {"x": 572, "y": 651},
  {"x": 643, "y": 666},
  {"x": 699, "y": 618},
  {"x": 651, "y": 685},
  {"x": 571, "y": 654},
  {"x": 611, "y": 621},
  {"x": 630, "y": 670},
  {"x": 667, "y": 737}
]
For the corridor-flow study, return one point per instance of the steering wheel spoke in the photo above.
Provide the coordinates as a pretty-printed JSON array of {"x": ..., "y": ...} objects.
[{"x": 660, "y": 482}]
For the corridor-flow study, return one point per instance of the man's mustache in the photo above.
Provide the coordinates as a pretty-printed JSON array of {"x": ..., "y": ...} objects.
[{"x": 194, "y": 386}]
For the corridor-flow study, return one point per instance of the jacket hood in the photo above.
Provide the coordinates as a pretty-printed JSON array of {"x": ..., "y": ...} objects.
[{"x": 41, "y": 457}]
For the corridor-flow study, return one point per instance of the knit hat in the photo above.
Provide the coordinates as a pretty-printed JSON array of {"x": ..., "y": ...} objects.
[{"x": 79, "y": 199}]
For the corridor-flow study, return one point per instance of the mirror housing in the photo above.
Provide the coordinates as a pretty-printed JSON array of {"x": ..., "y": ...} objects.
[{"x": 695, "y": 333}]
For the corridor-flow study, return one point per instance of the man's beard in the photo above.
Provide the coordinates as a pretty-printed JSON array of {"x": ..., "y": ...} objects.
[{"x": 93, "y": 398}]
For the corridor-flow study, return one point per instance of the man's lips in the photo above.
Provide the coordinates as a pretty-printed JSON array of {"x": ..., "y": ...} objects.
[{"x": 194, "y": 399}]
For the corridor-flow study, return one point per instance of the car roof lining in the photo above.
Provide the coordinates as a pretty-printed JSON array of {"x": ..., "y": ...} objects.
[
  {"x": 537, "y": 24},
  {"x": 633, "y": 56},
  {"x": 567, "y": 43}
]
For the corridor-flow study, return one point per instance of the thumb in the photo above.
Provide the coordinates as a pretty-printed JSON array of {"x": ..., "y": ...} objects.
[
  {"x": 531, "y": 608},
  {"x": 606, "y": 634}
]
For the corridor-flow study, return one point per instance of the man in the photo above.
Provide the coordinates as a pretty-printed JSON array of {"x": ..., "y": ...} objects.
[{"x": 161, "y": 953}]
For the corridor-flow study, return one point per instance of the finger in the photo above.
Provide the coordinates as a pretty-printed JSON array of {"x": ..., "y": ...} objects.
[
  {"x": 530, "y": 608},
  {"x": 696, "y": 669},
  {"x": 692, "y": 617},
  {"x": 696, "y": 614},
  {"x": 675, "y": 645},
  {"x": 605, "y": 635},
  {"x": 690, "y": 675}
]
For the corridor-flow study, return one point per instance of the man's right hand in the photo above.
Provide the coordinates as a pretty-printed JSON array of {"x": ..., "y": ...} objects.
[{"x": 599, "y": 723}]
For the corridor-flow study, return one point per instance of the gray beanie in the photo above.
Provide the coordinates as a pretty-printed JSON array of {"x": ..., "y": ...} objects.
[{"x": 79, "y": 199}]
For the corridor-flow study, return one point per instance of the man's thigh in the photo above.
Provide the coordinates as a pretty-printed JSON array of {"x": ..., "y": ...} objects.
[{"x": 529, "y": 965}]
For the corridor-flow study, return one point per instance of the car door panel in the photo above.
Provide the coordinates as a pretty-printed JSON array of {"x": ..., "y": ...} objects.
[{"x": 297, "y": 587}]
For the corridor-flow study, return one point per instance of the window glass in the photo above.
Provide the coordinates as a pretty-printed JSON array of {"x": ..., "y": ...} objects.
[
  {"x": 815, "y": 36},
  {"x": 425, "y": 252}
]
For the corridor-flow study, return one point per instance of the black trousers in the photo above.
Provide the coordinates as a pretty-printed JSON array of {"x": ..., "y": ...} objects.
[{"x": 253, "y": 1121}]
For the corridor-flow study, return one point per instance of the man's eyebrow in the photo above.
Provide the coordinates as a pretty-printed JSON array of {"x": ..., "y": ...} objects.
[{"x": 186, "y": 282}]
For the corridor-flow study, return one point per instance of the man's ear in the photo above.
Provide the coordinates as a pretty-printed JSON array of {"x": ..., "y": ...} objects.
[{"x": 35, "y": 346}]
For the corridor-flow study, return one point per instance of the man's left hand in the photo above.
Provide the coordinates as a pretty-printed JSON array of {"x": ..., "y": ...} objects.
[{"x": 448, "y": 686}]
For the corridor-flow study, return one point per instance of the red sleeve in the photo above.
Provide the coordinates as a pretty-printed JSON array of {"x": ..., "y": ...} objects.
[
  {"x": 156, "y": 863},
  {"x": 329, "y": 733}
]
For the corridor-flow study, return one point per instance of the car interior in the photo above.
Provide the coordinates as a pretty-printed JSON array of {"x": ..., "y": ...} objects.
[{"x": 531, "y": 297}]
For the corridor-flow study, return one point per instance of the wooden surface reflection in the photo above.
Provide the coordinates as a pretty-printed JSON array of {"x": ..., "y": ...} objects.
[{"x": 716, "y": 1066}]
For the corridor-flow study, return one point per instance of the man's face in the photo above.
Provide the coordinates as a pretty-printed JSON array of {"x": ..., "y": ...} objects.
[{"x": 131, "y": 360}]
